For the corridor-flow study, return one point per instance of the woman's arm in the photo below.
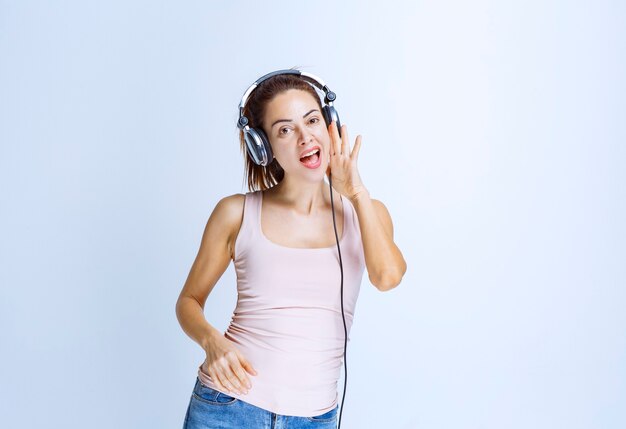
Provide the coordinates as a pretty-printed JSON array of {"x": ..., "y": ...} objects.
[
  {"x": 212, "y": 260},
  {"x": 384, "y": 261},
  {"x": 224, "y": 363}
]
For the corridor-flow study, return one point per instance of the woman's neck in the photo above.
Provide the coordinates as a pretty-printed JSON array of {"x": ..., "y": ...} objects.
[{"x": 306, "y": 198}]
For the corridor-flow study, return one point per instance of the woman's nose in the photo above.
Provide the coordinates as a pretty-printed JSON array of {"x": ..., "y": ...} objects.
[{"x": 306, "y": 136}]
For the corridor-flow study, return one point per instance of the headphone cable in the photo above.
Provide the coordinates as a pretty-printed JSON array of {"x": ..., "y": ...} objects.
[{"x": 345, "y": 330}]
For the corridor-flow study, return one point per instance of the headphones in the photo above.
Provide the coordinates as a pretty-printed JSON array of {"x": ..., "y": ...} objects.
[
  {"x": 258, "y": 144},
  {"x": 260, "y": 151}
]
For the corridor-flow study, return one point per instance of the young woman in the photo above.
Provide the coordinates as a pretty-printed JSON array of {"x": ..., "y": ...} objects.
[{"x": 279, "y": 361}]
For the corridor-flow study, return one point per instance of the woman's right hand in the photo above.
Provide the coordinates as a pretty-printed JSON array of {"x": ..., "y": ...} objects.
[{"x": 227, "y": 366}]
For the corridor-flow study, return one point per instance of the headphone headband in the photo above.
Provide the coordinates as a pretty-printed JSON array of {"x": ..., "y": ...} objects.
[{"x": 319, "y": 83}]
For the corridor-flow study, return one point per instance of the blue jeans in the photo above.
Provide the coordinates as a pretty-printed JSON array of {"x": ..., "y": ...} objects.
[{"x": 211, "y": 409}]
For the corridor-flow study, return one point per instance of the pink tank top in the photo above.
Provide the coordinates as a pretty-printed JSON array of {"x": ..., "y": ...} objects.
[{"x": 287, "y": 321}]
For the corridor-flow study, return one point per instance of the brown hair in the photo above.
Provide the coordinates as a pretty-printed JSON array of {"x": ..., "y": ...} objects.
[{"x": 260, "y": 177}]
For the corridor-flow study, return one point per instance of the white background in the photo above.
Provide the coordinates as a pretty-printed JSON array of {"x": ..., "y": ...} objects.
[{"x": 492, "y": 131}]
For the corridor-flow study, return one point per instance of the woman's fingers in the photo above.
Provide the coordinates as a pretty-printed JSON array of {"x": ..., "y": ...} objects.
[
  {"x": 340, "y": 145},
  {"x": 238, "y": 377},
  {"x": 336, "y": 140},
  {"x": 234, "y": 383},
  {"x": 226, "y": 379},
  {"x": 221, "y": 381},
  {"x": 247, "y": 366},
  {"x": 228, "y": 368},
  {"x": 232, "y": 376},
  {"x": 344, "y": 139},
  {"x": 356, "y": 148}
]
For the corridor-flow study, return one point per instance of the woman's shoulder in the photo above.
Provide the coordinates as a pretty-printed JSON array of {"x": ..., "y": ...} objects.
[
  {"x": 232, "y": 199},
  {"x": 228, "y": 216},
  {"x": 230, "y": 208}
]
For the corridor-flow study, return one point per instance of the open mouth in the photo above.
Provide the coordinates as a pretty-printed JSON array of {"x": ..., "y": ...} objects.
[{"x": 312, "y": 158}]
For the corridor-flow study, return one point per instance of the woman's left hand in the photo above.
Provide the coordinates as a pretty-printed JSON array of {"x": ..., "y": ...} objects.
[{"x": 345, "y": 175}]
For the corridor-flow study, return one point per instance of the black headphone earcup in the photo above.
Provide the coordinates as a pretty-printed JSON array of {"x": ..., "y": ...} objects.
[
  {"x": 258, "y": 146},
  {"x": 266, "y": 145},
  {"x": 330, "y": 114}
]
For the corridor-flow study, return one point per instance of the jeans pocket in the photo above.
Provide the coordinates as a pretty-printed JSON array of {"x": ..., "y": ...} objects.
[
  {"x": 210, "y": 395},
  {"x": 328, "y": 416}
]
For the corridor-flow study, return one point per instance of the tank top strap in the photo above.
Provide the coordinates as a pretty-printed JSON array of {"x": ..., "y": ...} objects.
[{"x": 247, "y": 231}]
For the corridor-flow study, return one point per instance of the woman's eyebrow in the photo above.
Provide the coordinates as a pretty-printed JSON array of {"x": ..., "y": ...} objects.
[{"x": 289, "y": 120}]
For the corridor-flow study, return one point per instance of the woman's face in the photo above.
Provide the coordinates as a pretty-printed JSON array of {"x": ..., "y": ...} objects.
[{"x": 295, "y": 126}]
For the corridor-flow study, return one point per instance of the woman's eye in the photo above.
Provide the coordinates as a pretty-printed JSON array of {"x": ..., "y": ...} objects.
[
  {"x": 314, "y": 120},
  {"x": 283, "y": 129}
]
